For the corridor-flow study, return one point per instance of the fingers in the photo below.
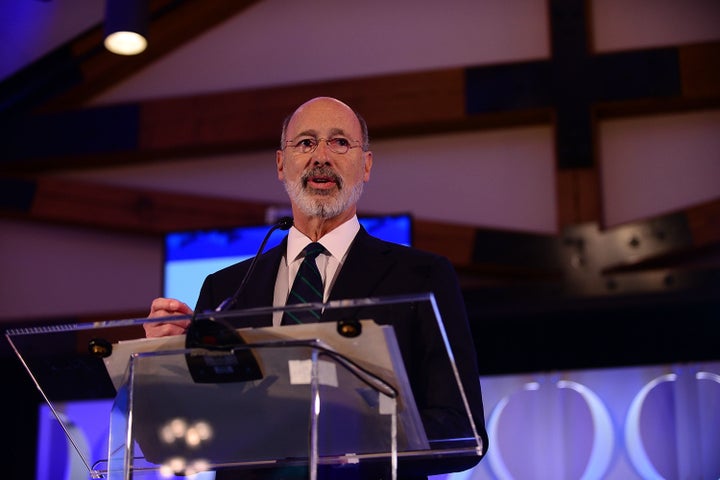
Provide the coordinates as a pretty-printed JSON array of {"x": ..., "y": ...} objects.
[{"x": 165, "y": 307}]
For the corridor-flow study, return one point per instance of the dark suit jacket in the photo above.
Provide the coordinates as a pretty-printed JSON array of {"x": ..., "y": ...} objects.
[{"x": 375, "y": 268}]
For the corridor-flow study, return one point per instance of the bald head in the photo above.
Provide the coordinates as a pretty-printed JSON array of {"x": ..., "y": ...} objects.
[{"x": 328, "y": 106}]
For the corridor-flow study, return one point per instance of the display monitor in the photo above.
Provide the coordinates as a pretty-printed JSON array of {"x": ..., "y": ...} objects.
[{"x": 191, "y": 255}]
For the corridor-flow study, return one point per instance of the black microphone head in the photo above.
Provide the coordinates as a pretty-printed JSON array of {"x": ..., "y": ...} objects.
[{"x": 285, "y": 223}]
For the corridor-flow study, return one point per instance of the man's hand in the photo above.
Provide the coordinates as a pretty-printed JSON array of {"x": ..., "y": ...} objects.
[{"x": 165, "y": 307}]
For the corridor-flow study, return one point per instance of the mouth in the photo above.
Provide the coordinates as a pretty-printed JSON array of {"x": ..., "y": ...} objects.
[{"x": 321, "y": 180}]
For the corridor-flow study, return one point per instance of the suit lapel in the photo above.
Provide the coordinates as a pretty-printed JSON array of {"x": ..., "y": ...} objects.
[
  {"x": 367, "y": 263},
  {"x": 260, "y": 289}
]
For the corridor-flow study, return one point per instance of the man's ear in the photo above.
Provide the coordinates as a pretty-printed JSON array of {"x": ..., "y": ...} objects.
[
  {"x": 368, "y": 165},
  {"x": 279, "y": 165}
]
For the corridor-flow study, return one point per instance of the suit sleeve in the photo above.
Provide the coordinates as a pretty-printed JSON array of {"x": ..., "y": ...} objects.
[
  {"x": 205, "y": 299},
  {"x": 445, "y": 287}
]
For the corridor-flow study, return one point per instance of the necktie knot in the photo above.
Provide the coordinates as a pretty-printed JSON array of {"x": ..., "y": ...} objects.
[{"x": 313, "y": 250}]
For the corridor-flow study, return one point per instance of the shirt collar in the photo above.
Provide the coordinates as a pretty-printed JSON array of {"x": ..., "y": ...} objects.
[{"x": 336, "y": 241}]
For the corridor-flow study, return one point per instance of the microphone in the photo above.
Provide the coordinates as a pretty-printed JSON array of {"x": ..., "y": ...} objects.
[
  {"x": 215, "y": 334},
  {"x": 283, "y": 224}
]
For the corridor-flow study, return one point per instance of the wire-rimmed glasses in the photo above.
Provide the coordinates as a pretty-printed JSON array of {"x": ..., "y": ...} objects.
[{"x": 338, "y": 145}]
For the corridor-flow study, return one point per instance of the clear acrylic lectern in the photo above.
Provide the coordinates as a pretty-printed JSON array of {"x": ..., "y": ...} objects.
[{"x": 226, "y": 401}]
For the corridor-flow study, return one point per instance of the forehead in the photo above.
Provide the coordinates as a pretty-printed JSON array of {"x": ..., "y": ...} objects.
[{"x": 324, "y": 117}]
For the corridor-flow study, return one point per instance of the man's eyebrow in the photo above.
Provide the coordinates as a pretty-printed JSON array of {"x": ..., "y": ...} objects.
[{"x": 306, "y": 133}]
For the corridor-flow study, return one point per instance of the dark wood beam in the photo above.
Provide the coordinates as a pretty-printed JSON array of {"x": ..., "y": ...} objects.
[
  {"x": 110, "y": 207},
  {"x": 395, "y": 105},
  {"x": 578, "y": 196},
  {"x": 249, "y": 119}
]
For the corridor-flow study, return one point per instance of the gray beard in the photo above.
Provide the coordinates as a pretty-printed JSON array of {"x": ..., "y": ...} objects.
[{"x": 324, "y": 205}]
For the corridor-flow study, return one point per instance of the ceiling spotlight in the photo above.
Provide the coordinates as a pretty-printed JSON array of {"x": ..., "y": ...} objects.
[{"x": 126, "y": 23}]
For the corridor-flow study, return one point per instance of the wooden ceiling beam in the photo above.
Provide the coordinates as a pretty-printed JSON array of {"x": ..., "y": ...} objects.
[
  {"x": 96, "y": 205},
  {"x": 394, "y": 105},
  {"x": 246, "y": 119}
]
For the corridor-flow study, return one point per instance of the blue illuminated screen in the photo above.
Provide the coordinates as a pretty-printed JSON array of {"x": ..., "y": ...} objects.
[{"x": 192, "y": 255}]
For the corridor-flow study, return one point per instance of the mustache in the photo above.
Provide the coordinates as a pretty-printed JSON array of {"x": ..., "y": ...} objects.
[{"x": 321, "y": 172}]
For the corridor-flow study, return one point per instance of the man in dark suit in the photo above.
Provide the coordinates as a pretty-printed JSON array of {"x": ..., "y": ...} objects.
[{"x": 323, "y": 161}]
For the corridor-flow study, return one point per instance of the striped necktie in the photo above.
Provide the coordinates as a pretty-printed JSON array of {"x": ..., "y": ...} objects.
[{"x": 307, "y": 288}]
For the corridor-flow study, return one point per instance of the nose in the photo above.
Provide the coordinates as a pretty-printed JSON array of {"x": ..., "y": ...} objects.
[{"x": 320, "y": 155}]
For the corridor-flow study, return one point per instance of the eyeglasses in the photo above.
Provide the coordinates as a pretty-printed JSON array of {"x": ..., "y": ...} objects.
[{"x": 308, "y": 145}]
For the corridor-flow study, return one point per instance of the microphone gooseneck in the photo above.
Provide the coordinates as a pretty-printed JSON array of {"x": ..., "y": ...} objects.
[
  {"x": 238, "y": 364},
  {"x": 283, "y": 224}
]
